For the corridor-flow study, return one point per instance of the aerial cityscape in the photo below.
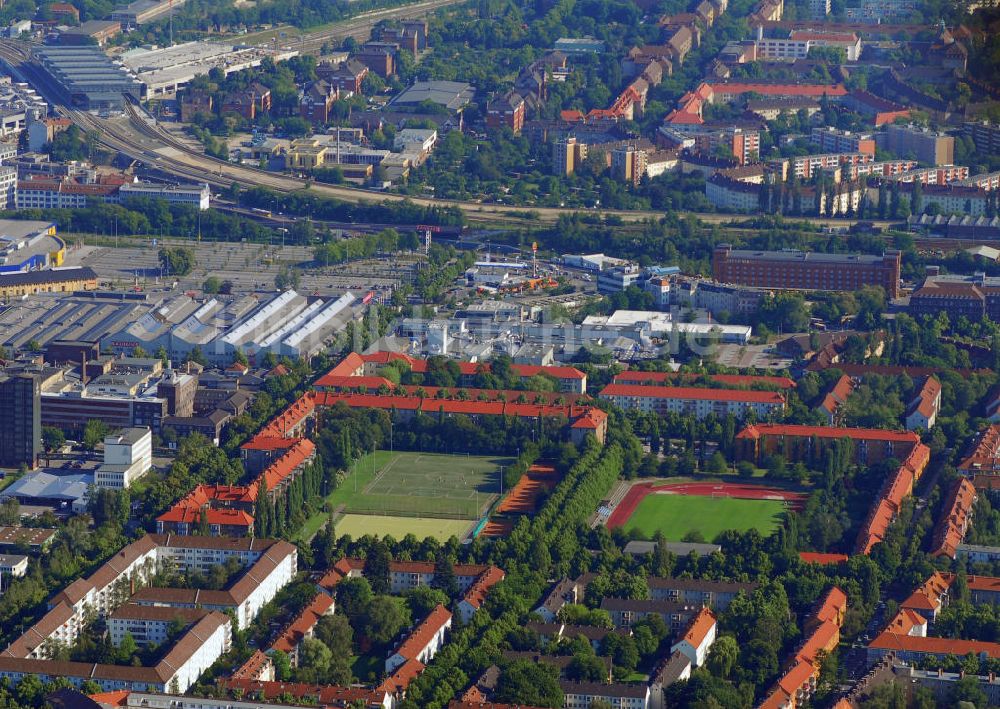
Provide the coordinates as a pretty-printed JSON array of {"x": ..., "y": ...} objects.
[{"x": 499, "y": 354}]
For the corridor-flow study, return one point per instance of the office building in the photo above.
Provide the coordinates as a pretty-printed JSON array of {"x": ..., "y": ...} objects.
[
  {"x": 128, "y": 455},
  {"x": 972, "y": 297},
  {"x": 20, "y": 420},
  {"x": 799, "y": 270}
]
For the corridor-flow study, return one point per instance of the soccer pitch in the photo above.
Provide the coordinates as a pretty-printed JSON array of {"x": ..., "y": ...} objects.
[
  {"x": 410, "y": 484},
  {"x": 398, "y": 527},
  {"x": 677, "y": 515}
]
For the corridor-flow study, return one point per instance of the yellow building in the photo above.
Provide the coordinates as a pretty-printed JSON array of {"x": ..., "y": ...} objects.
[
  {"x": 57, "y": 280},
  {"x": 305, "y": 154}
]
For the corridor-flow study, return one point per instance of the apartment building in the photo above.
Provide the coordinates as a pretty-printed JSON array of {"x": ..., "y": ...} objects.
[
  {"x": 929, "y": 147},
  {"x": 836, "y": 140},
  {"x": 799, "y": 270},
  {"x": 716, "y": 595},
  {"x": 694, "y": 401}
]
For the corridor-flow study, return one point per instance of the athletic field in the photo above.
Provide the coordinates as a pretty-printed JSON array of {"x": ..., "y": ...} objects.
[
  {"x": 398, "y": 527},
  {"x": 407, "y": 484},
  {"x": 411, "y": 484},
  {"x": 677, "y": 515}
]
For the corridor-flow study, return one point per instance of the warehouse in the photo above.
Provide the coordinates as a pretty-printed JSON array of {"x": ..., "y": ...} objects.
[
  {"x": 53, "y": 280},
  {"x": 85, "y": 78}
]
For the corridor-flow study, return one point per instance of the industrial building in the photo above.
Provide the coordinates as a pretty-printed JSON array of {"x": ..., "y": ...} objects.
[
  {"x": 290, "y": 325},
  {"x": 86, "y": 78},
  {"x": 166, "y": 70},
  {"x": 29, "y": 245}
]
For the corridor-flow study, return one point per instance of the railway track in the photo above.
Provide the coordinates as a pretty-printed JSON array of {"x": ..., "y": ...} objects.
[{"x": 142, "y": 139}]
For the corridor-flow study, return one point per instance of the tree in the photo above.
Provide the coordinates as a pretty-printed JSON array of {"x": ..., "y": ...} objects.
[
  {"x": 586, "y": 667},
  {"x": 127, "y": 648},
  {"x": 353, "y": 596},
  {"x": 212, "y": 285},
  {"x": 93, "y": 433},
  {"x": 377, "y": 567},
  {"x": 282, "y": 665},
  {"x": 177, "y": 261},
  {"x": 315, "y": 655},
  {"x": 383, "y": 619},
  {"x": 527, "y": 683},
  {"x": 444, "y": 575},
  {"x": 52, "y": 438},
  {"x": 723, "y": 656},
  {"x": 967, "y": 689},
  {"x": 336, "y": 633},
  {"x": 423, "y": 599}
]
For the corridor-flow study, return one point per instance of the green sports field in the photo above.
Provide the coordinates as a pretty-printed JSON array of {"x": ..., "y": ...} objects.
[
  {"x": 677, "y": 515},
  {"x": 399, "y": 527},
  {"x": 400, "y": 484}
]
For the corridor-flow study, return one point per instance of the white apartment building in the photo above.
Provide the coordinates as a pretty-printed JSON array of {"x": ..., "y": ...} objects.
[
  {"x": 582, "y": 695},
  {"x": 693, "y": 401},
  {"x": 732, "y": 195},
  {"x": 128, "y": 455},
  {"x": 148, "y": 625}
]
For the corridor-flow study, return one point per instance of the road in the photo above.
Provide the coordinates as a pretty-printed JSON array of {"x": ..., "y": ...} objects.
[{"x": 141, "y": 138}]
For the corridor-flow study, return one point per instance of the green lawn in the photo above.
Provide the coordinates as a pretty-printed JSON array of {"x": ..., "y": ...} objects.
[
  {"x": 399, "y": 527},
  {"x": 410, "y": 483},
  {"x": 676, "y": 515}
]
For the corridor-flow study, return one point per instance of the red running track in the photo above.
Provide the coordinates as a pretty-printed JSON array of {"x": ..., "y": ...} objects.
[{"x": 636, "y": 493}]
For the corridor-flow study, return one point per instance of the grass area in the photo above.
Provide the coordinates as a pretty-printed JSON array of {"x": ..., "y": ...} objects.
[
  {"x": 367, "y": 668},
  {"x": 393, "y": 483},
  {"x": 399, "y": 527},
  {"x": 677, "y": 515}
]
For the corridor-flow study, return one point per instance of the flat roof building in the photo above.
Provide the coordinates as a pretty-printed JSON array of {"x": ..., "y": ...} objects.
[
  {"x": 800, "y": 270},
  {"x": 86, "y": 78},
  {"x": 453, "y": 95}
]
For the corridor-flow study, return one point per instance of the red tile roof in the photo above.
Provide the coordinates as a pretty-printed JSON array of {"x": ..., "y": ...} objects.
[
  {"x": 749, "y": 396},
  {"x": 832, "y": 606},
  {"x": 817, "y": 557},
  {"x": 228, "y": 518},
  {"x": 268, "y": 443},
  {"x": 399, "y": 680},
  {"x": 700, "y": 627},
  {"x": 953, "y": 525},
  {"x": 934, "y": 646},
  {"x": 815, "y": 90},
  {"x": 858, "y": 434},
  {"x": 324, "y": 694},
  {"x": 423, "y": 633},
  {"x": 633, "y": 376},
  {"x": 482, "y": 585},
  {"x": 929, "y": 596},
  {"x": 118, "y": 698},
  {"x": 303, "y": 623},
  {"x": 287, "y": 464}
]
